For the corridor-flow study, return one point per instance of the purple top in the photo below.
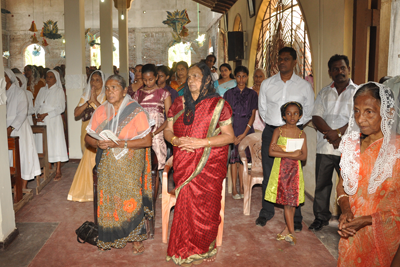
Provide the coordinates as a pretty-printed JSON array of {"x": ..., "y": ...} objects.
[
  {"x": 242, "y": 103},
  {"x": 173, "y": 92}
]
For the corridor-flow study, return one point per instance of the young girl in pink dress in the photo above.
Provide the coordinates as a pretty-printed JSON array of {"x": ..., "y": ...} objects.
[{"x": 156, "y": 101}]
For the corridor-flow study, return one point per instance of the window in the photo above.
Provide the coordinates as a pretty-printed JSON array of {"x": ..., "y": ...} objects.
[
  {"x": 95, "y": 57},
  {"x": 35, "y": 55},
  {"x": 180, "y": 52},
  {"x": 283, "y": 25}
]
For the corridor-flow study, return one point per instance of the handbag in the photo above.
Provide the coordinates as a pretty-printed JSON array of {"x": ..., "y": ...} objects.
[
  {"x": 87, "y": 113},
  {"x": 88, "y": 232}
]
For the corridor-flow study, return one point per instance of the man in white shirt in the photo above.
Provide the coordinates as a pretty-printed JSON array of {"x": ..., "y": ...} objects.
[
  {"x": 274, "y": 92},
  {"x": 331, "y": 114},
  {"x": 210, "y": 61}
]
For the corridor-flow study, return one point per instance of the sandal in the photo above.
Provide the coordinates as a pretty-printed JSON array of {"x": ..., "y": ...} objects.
[
  {"x": 291, "y": 239},
  {"x": 237, "y": 196},
  {"x": 138, "y": 250},
  {"x": 57, "y": 177},
  {"x": 280, "y": 237}
]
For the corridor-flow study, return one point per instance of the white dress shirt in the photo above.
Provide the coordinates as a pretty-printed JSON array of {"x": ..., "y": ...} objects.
[
  {"x": 335, "y": 110},
  {"x": 274, "y": 93}
]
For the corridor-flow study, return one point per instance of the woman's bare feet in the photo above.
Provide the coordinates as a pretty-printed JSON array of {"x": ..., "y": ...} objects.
[
  {"x": 138, "y": 248},
  {"x": 212, "y": 259}
]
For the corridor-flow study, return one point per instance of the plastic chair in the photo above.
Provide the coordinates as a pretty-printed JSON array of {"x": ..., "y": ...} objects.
[
  {"x": 255, "y": 175},
  {"x": 169, "y": 200}
]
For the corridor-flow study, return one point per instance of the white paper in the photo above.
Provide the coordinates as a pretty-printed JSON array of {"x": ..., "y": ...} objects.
[
  {"x": 294, "y": 144},
  {"x": 105, "y": 135}
]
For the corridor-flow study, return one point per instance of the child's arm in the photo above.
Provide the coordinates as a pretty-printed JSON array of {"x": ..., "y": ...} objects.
[
  {"x": 275, "y": 152},
  {"x": 303, "y": 155},
  {"x": 167, "y": 105}
]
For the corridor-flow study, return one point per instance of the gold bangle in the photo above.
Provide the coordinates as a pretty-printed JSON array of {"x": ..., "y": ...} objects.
[
  {"x": 172, "y": 140},
  {"x": 343, "y": 195},
  {"x": 209, "y": 142}
]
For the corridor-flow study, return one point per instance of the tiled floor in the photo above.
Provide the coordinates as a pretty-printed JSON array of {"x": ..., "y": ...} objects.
[{"x": 47, "y": 236}]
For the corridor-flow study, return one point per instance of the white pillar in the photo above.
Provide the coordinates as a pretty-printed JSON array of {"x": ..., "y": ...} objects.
[
  {"x": 7, "y": 217},
  {"x": 123, "y": 42},
  {"x": 106, "y": 36},
  {"x": 75, "y": 78}
]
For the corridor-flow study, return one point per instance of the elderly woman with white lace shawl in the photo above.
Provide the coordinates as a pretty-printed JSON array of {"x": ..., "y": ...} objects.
[
  {"x": 123, "y": 167},
  {"x": 18, "y": 125},
  {"x": 369, "y": 187},
  {"x": 93, "y": 96},
  {"x": 49, "y": 104}
]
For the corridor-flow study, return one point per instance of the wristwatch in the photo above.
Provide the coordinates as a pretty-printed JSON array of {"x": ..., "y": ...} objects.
[
  {"x": 126, "y": 144},
  {"x": 339, "y": 133}
]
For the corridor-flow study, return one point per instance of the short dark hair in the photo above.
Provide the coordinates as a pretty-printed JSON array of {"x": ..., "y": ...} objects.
[
  {"x": 149, "y": 68},
  {"x": 182, "y": 63},
  {"x": 226, "y": 65},
  {"x": 288, "y": 104},
  {"x": 289, "y": 50},
  {"x": 337, "y": 57},
  {"x": 164, "y": 69},
  {"x": 241, "y": 69},
  {"x": 211, "y": 55}
]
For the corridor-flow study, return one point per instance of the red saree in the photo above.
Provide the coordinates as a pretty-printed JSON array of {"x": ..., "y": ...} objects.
[
  {"x": 374, "y": 245},
  {"x": 196, "y": 215}
]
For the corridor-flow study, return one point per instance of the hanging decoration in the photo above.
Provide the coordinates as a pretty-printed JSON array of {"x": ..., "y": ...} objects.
[
  {"x": 36, "y": 51},
  {"x": 6, "y": 54},
  {"x": 50, "y": 30},
  {"x": 91, "y": 38},
  {"x": 34, "y": 39},
  {"x": 44, "y": 42},
  {"x": 177, "y": 21},
  {"x": 33, "y": 27},
  {"x": 62, "y": 54}
]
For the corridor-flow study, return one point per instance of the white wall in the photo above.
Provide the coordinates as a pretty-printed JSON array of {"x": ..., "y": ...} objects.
[
  {"x": 7, "y": 217},
  {"x": 394, "y": 44}
]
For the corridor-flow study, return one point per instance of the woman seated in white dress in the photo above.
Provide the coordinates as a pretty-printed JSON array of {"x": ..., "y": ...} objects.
[
  {"x": 49, "y": 104},
  {"x": 18, "y": 125}
]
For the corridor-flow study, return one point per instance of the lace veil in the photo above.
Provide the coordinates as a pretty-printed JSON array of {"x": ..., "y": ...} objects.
[
  {"x": 88, "y": 89},
  {"x": 388, "y": 154}
]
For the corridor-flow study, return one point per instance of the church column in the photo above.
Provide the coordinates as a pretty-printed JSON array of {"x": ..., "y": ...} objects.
[
  {"x": 123, "y": 7},
  {"x": 8, "y": 230},
  {"x": 75, "y": 78},
  {"x": 106, "y": 37}
]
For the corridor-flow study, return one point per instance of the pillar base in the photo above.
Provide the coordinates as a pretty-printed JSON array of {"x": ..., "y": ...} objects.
[{"x": 9, "y": 239}]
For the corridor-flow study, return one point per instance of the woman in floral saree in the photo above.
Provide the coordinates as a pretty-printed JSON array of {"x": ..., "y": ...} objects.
[
  {"x": 369, "y": 186},
  {"x": 200, "y": 129},
  {"x": 124, "y": 175}
]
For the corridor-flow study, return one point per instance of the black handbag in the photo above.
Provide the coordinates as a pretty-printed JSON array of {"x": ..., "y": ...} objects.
[
  {"x": 88, "y": 232},
  {"x": 87, "y": 113}
]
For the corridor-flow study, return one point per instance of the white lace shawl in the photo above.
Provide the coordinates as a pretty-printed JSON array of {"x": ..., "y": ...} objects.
[{"x": 388, "y": 154}]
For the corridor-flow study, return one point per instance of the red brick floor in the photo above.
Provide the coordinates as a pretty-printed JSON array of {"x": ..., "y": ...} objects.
[{"x": 244, "y": 244}]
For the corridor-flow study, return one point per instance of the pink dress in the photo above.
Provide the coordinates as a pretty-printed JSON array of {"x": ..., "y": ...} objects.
[{"x": 153, "y": 102}]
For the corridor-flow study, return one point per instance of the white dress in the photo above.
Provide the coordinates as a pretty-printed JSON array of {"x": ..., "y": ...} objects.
[
  {"x": 17, "y": 112},
  {"x": 52, "y": 101}
]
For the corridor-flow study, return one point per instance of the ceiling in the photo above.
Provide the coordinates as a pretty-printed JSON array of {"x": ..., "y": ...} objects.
[{"x": 220, "y": 6}]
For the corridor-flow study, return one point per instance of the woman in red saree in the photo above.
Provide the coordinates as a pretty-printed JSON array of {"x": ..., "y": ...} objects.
[
  {"x": 200, "y": 129},
  {"x": 368, "y": 189}
]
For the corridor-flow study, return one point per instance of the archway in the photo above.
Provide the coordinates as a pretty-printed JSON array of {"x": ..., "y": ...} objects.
[
  {"x": 35, "y": 55},
  {"x": 95, "y": 57},
  {"x": 180, "y": 52},
  {"x": 280, "y": 23}
]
